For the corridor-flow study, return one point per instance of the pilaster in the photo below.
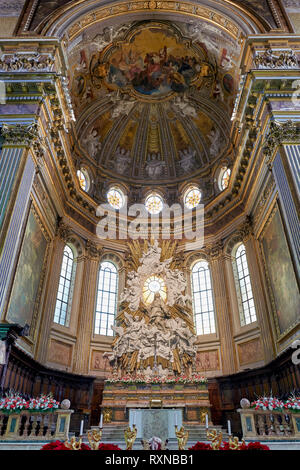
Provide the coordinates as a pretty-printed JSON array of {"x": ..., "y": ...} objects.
[
  {"x": 16, "y": 178},
  {"x": 217, "y": 260},
  {"x": 86, "y": 312}
]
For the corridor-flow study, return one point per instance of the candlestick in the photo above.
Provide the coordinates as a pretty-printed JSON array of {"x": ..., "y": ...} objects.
[
  {"x": 229, "y": 427},
  {"x": 81, "y": 428},
  {"x": 206, "y": 421},
  {"x": 101, "y": 421}
]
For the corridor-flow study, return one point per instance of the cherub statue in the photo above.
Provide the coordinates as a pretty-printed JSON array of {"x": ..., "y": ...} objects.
[
  {"x": 216, "y": 439},
  {"x": 94, "y": 438},
  {"x": 233, "y": 443},
  {"x": 73, "y": 444}
]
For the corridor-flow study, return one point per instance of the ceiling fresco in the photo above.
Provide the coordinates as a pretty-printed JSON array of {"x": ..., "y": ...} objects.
[{"x": 153, "y": 100}]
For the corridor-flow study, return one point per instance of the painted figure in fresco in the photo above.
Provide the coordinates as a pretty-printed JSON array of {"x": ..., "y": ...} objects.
[{"x": 154, "y": 73}]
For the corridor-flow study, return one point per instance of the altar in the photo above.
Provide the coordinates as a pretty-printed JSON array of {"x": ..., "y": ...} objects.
[{"x": 153, "y": 382}]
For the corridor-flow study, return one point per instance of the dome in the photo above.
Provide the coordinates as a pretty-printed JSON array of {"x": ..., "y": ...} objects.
[{"x": 153, "y": 102}]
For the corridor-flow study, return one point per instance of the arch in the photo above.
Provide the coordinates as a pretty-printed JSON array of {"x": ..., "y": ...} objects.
[{"x": 76, "y": 17}]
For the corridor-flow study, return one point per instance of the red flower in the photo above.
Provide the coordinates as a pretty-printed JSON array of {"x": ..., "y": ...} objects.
[
  {"x": 200, "y": 446},
  {"x": 255, "y": 446},
  {"x": 58, "y": 445},
  {"x": 108, "y": 447}
]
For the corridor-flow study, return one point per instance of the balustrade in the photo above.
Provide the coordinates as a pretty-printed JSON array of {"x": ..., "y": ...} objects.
[
  {"x": 264, "y": 425},
  {"x": 35, "y": 425}
]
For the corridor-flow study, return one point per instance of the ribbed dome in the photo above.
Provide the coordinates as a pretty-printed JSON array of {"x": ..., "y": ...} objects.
[{"x": 153, "y": 105}]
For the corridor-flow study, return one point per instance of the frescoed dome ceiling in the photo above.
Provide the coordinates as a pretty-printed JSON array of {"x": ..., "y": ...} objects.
[{"x": 153, "y": 100}]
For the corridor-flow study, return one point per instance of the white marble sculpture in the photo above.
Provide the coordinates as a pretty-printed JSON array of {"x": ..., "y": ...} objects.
[
  {"x": 182, "y": 105},
  {"x": 187, "y": 159},
  {"x": 150, "y": 264},
  {"x": 154, "y": 167},
  {"x": 91, "y": 143},
  {"x": 156, "y": 338}
]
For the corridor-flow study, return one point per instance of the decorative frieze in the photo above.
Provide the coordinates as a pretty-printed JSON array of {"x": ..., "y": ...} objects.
[
  {"x": 26, "y": 62},
  {"x": 269, "y": 60}
]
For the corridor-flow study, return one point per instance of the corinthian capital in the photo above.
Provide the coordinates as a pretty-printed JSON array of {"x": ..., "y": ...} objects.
[
  {"x": 91, "y": 250},
  {"x": 279, "y": 133},
  {"x": 245, "y": 230},
  {"x": 215, "y": 250},
  {"x": 63, "y": 231},
  {"x": 20, "y": 134}
]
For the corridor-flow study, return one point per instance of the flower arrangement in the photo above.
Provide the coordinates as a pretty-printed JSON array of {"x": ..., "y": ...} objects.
[
  {"x": 274, "y": 404},
  {"x": 15, "y": 403},
  {"x": 142, "y": 379},
  {"x": 60, "y": 445},
  {"x": 268, "y": 403},
  {"x": 225, "y": 446},
  {"x": 293, "y": 403}
]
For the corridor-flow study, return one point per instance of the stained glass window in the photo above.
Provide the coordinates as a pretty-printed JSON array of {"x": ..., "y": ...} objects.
[
  {"x": 224, "y": 178},
  {"x": 192, "y": 197},
  {"x": 63, "y": 293},
  {"x": 83, "y": 178},
  {"x": 203, "y": 299},
  {"x": 106, "y": 299},
  {"x": 116, "y": 198},
  {"x": 245, "y": 289},
  {"x": 154, "y": 204}
]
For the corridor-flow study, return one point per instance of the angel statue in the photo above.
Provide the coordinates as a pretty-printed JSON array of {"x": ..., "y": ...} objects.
[
  {"x": 130, "y": 436},
  {"x": 182, "y": 437}
]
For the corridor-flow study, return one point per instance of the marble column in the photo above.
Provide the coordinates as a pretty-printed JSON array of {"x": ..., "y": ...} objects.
[
  {"x": 87, "y": 310},
  {"x": 16, "y": 178},
  {"x": 217, "y": 260}
]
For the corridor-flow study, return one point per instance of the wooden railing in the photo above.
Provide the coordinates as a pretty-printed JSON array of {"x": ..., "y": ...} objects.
[
  {"x": 34, "y": 425},
  {"x": 270, "y": 425}
]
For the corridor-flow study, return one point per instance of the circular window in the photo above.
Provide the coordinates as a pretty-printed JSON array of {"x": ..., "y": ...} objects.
[
  {"x": 83, "y": 178},
  {"x": 154, "y": 204},
  {"x": 224, "y": 178},
  {"x": 116, "y": 198},
  {"x": 192, "y": 197},
  {"x": 153, "y": 285}
]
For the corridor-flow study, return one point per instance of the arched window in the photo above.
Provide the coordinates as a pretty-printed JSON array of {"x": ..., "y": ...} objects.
[
  {"x": 244, "y": 284},
  {"x": 63, "y": 293},
  {"x": 106, "y": 299},
  {"x": 203, "y": 299}
]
